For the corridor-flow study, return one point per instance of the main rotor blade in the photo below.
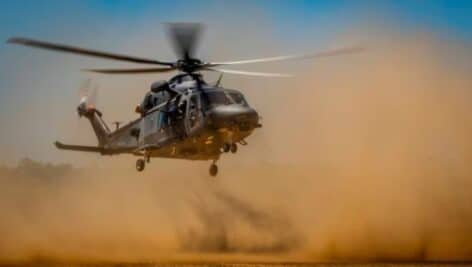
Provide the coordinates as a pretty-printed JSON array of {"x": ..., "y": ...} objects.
[
  {"x": 184, "y": 37},
  {"x": 328, "y": 53},
  {"x": 250, "y": 73},
  {"x": 83, "y": 51},
  {"x": 130, "y": 71}
]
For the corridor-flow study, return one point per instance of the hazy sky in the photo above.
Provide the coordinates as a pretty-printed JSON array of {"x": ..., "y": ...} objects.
[{"x": 37, "y": 88}]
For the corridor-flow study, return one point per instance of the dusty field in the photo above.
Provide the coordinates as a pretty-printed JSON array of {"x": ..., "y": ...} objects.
[
  {"x": 372, "y": 162},
  {"x": 255, "y": 264}
]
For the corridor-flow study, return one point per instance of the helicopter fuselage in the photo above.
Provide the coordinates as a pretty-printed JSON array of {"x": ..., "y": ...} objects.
[
  {"x": 197, "y": 125},
  {"x": 184, "y": 117},
  {"x": 185, "y": 120}
]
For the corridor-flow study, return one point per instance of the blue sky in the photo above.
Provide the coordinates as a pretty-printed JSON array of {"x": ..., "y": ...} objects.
[
  {"x": 27, "y": 16},
  {"x": 121, "y": 25}
]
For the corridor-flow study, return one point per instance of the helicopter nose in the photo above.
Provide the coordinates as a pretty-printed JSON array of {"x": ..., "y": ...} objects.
[{"x": 243, "y": 117}]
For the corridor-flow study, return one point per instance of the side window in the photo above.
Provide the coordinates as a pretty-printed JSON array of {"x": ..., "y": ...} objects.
[
  {"x": 163, "y": 120},
  {"x": 205, "y": 101},
  {"x": 149, "y": 122}
]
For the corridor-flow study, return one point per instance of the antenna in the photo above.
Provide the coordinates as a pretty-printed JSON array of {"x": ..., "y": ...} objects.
[
  {"x": 117, "y": 124},
  {"x": 218, "y": 82}
]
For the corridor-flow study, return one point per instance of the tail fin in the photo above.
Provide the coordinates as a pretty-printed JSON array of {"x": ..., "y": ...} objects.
[{"x": 99, "y": 126}]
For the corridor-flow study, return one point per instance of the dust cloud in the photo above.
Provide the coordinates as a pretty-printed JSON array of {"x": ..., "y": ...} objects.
[
  {"x": 60, "y": 213},
  {"x": 364, "y": 157}
]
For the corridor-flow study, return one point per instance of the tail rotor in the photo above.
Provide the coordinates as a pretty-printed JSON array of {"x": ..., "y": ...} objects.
[{"x": 88, "y": 98}]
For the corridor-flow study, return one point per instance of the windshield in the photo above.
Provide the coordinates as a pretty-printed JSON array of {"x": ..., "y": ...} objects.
[
  {"x": 218, "y": 98},
  {"x": 238, "y": 98}
]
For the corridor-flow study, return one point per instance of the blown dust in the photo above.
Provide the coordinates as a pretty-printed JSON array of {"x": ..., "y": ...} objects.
[{"x": 365, "y": 157}]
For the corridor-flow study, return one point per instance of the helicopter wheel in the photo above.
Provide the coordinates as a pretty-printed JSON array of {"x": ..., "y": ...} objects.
[
  {"x": 213, "y": 169},
  {"x": 226, "y": 147},
  {"x": 140, "y": 164},
  {"x": 234, "y": 148}
]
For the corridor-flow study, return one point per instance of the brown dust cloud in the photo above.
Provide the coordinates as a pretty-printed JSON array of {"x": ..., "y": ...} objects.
[{"x": 361, "y": 157}]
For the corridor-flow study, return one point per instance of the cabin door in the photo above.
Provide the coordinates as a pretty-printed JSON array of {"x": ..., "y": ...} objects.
[
  {"x": 149, "y": 127},
  {"x": 193, "y": 121}
]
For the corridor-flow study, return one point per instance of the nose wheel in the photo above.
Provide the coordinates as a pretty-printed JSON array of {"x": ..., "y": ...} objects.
[
  {"x": 213, "y": 169},
  {"x": 140, "y": 164},
  {"x": 234, "y": 148}
]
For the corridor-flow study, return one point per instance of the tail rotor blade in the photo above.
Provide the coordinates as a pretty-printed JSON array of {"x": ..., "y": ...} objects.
[{"x": 88, "y": 93}]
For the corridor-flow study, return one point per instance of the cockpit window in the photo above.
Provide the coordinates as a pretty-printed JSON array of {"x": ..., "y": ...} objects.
[
  {"x": 238, "y": 98},
  {"x": 218, "y": 98}
]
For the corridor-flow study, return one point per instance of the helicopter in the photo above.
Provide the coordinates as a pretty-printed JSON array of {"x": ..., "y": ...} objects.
[{"x": 183, "y": 117}]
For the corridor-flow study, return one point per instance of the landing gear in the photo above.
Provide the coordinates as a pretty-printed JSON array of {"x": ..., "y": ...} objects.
[
  {"x": 213, "y": 169},
  {"x": 234, "y": 148},
  {"x": 230, "y": 147},
  {"x": 140, "y": 164}
]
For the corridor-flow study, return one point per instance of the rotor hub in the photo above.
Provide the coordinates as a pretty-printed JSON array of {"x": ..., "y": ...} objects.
[{"x": 189, "y": 65}]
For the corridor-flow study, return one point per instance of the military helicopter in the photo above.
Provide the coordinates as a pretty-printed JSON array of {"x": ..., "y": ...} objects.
[{"x": 182, "y": 118}]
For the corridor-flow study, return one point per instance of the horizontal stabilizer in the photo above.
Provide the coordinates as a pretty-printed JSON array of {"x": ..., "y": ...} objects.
[{"x": 79, "y": 148}]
